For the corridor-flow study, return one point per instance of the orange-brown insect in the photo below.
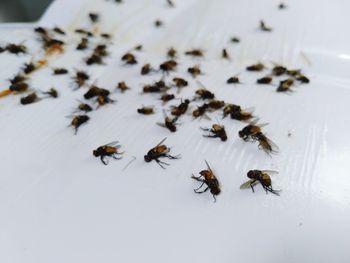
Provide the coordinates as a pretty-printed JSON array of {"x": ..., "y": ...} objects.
[
  {"x": 167, "y": 66},
  {"x": 180, "y": 82},
  {"x": 146, "y": 110},
  {"x": 264, "y": 80},
  {"x": 103, "y": 100},
  {"x": 265, "y": 143},
  {"x": 263, "y": 27},
  {"x": 262, "y": 177},
  {"x": 207, "y": 177},
  {"x": 80, "y": 78},
  {"x": 216, "y": 131},
  {"x": 216, "y": 104},
  {"x": 194, "y": 53},
  {"x": 79, "y": 120},
  {"x": 171, "y": 53},
  {"x": 122, "y": 86},
  {"x": 157, "y": 87},
  {"x": 169, "y": 123},
  {"x": 160, "y": 151},
  {"x": 83, "y": 44},
  {"x": 108, "y": 150},
  {"x": 205, "y": 94},
  {"x": 251, "y": 129},
  {"x": 201, "y": 111},
  {"x": 236, "y": 112},
  {"x": 146, "y": 69},
  {"x": 285, "y": 85},
  {"x": 167, "y": 97},
  {"x": 279, "y": 70},
  {"x": 194, "y": 71},
  {"x": 256, "y": 67},
  {"x": 95, "y": 91},
  {"x": 180, "y": 109},
  {"x": 129, "y": 59}
]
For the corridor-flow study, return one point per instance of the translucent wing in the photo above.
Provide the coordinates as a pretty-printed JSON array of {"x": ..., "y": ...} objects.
[
  {"x": 161, "y": 141},
  {"x": 249, "y": 183},
  {"x": 208, "y": 166},
  {"x": 270, "y": 172},
  {"x": 112, "y": 143}
]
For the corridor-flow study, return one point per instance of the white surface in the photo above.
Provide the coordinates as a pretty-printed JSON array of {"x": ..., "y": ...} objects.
[{"x": 60, "y": 204}]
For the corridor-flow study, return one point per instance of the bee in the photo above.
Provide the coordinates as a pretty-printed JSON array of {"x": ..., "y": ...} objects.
[
  {"x": 108, "y": 150},
  {"x": 158, "y": 23},
  {"x": 83, "y": 44},
  {"x": 251, "y": 129},
  {"x": 180, "y": 109},
  {"x": 205, "y": 94},
  {"x": 282, "y": 6},
  {"x": 146, "y": 110},
  {"x": 60, "y": 71},
  {"x": 80, "y": 78},
  {"x": 94, "y": 17},
  {"x": 285, "y": 85},
  {"x": 265, "y": 143},
  {"x": 51, "y": 93},
  {"x": 129, "y": 59},
  {"x": 256, "y": 67},
  {"x": 160, "y": 151},
  {"x": 171, "y": 53},
  {"x": 122, "y": 86},
  {"x": 216, "y": 131},
  {"x": 235, "y": 40},
  {"x": 233, "y": 80},
  {"x": 207, "y": 177},
  {"x": 224, "y": 54},
  {"x": 194, "y": 71},
  {"x": 216, "y": 104},
  {"x": 262, "y": 177},
  {"x": 29, "y": 99},
  {"x": 29, "y": 68},
  {"x": 236, "y": 112},
  {"x": 167, "y": 66},
  {"x": 59, "y": 30},
  {"x": 79, "y": 120},
  {"x": 201, "y": 111},
  {"x": 263, "y": 27},
  {"x": 264, "y": 80},
  {"x": 84, "y": 107},
  {"x": 167, "y": 97},
  {"x": 194, "y": 53},
  {"x": 146, "y": 69},
  {"x": 279, "y": 70},
  {"x": 157, "y": 87},
  {"x": 95, "y": 91},
  {"x": 180, "y": 82},
  {"x": 169, "y": 123},
  {"x": 16, "y": 49}
]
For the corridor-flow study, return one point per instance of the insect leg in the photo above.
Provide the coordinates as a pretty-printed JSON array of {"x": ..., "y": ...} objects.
[
  {"x": 206, "y": 189},
  {"x": 199, "y": 186},
  {"x": 103, "y": 160},
  {"x": 173, "y": 157},
  {"x": 161, "y": 163},
  {"x": 251, "y": 186}
]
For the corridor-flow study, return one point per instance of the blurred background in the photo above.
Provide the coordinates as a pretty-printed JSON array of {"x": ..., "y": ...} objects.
[{"x": 22, "y": 10}]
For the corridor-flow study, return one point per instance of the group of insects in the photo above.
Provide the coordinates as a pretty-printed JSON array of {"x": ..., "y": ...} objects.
[{"x": 53, "y": 42}]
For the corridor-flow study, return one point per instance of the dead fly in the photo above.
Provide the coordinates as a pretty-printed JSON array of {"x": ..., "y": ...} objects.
[
  {"x": 167, "y": 66},
  {"x": 170, "y": 3},
  {"x": 293, "y": 72},
  {"x": 180, "y": 109},
  {"x": 236, "y": 112},
  {"x": 138, "y": 48},
  {"x": 207, "y": 177},
  {"x": 146, "y": 69},
  {"x": 262, "y": 177},
  {"x": 95, "y": 91},
  {"x": 29, "y": 99},
  {"x": 157, "y": 87},
  {"x": 264, "y": 80},
  {"x": 83, "y": 44},
  {"x": 19, "y": 87},
  {"x": 83, "y": 32},
  {"x": 146, "y": 110},
  {"x": 129, "y": 59},
  {"x": 282, "y": 6},
  {"x": 103, "y": 100},
  {"x": 52, "y": 45},
  {"x": 16, "y": 49},
  {"x": 285, "y": 85},
  {"x": 256, "y": 67},
  {"x": 18, "y": 79},
  {"x": 180, "y": 82},
  {"x": 122, "y": 86},
  {"x": 263, "y": 27},
  {"x": 29, "y": 68},
  {"x": 251, "y": 129},
  {"x": 94, "y": 59},
  {"x": 235, "y": 40},
  {"x": 216, "y": 104},
  {"x": 169, "y": 123},
  {"x": 224, "y": 54},
  {"x": 158, "y": 23},
  {"x": 59, "y": 31},
  {"x": 171, "y": 52},
  {"x": 105, "y": 35},
  {"x": 42, "y": 31},
  {"x": 51, "y": 93},
  {"x": 265, "y": 143},
  {"x": 194, "y": 71},
  {"x": 216, "y": 131},
  {"x": 101, "y": 50},
  {"x": 201, "y": 111},
  {"x": 94, "y": 17},
  {"x": 79, "y": 120},
  {"x": 60, "y": 71},
  {"x": 160, "y": 151},
  {"x": 204, "y": 94},
  {"x": 84, "y": 107},
  {"x": 80, "y": 78},
  {"x": 167, "y": 97},
  {"x": 233, "y": 80},
  {"x": 302, "y": 78},
  {"x": 194, "y": 53},
  {"x": 279, "y": 70},
  {"x": 108, "y": 150}
]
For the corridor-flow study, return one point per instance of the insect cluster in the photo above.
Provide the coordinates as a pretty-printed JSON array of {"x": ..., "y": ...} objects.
[{"x": 95, "y": 45}]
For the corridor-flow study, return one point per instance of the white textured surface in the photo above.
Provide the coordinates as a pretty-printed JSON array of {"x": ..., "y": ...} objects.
[{"x": 60, "y": 204}]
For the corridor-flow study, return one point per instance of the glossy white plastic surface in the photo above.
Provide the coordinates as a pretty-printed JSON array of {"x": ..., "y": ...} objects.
[{"x": 60, "y": 204}]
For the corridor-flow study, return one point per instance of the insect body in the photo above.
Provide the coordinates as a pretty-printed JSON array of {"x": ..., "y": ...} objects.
[
  {"x": 262, "y": 177},
  {"x": 217, "y": 131},
  {"x": 108, "y": 150},
  {"x": 160, "y": 151}
]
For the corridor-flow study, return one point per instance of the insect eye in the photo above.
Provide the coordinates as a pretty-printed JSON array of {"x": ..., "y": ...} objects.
[{"x": 250, "y": 174}]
